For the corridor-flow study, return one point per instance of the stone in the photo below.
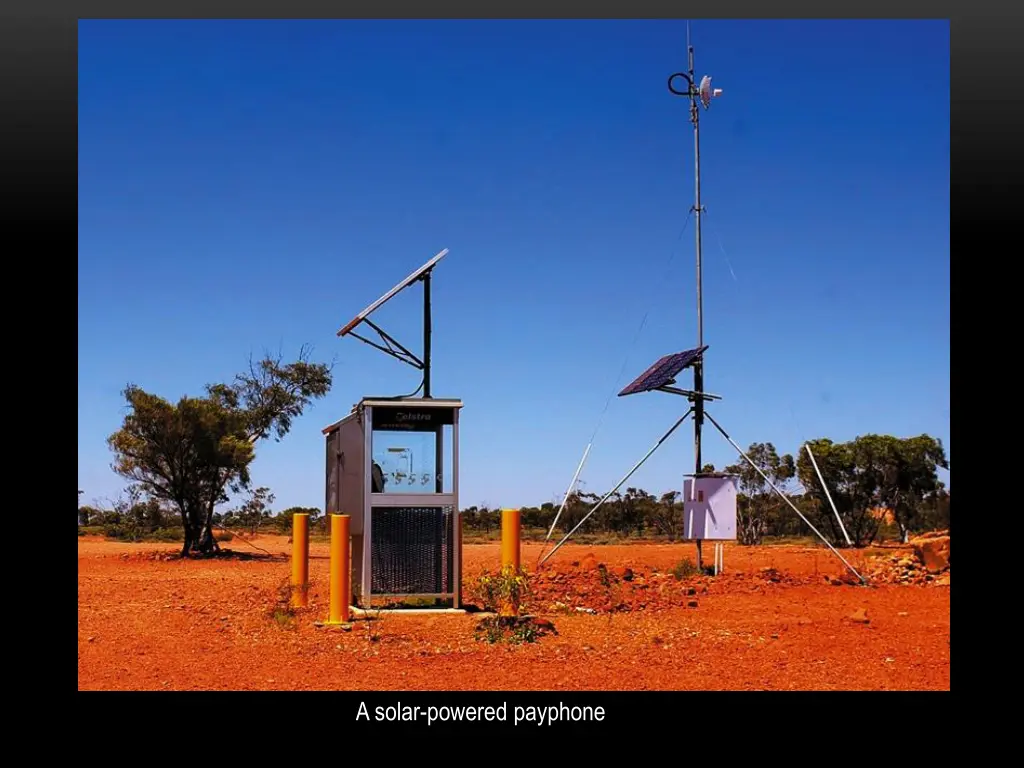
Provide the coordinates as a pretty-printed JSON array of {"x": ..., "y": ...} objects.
[
  {"x": 589, "y": 563},
  {"x": 933, "y": 552},
  {"x": 544, "y": 625},
  {"x": 860, "y": 616},
  {"x": 622, "y": 572}
]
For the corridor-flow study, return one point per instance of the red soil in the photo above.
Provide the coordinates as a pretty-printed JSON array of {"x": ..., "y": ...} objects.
[{"x": 773, "y": 620}]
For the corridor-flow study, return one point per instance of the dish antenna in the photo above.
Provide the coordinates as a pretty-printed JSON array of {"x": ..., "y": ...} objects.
[
  {"x": 388, "y": 343},
  {"x": 706, "y": 92}
]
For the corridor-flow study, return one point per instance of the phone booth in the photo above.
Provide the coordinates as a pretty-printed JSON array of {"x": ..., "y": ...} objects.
[{"x": 393, "y": 467}]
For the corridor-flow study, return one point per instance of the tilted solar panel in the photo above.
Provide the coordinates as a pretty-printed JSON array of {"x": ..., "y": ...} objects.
[{"x": 663, "y": 371}]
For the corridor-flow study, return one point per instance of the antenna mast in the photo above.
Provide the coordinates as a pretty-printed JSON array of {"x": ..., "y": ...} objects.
[
  {"x": 698, "y": 368},
  {"x": 696, "y": 93},
  {"x": 661, "y": 376}
]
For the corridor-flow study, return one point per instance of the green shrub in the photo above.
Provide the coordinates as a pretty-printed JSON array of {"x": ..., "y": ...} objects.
[
  {"x": 166, "y": 534},
  {"x": 128, "y": 532},
  {"x": 507, "y": 587},
  {"x": 119, "y": 532},
  {"x": 685, "y": 569},
  {"x": 507, "y": 629}
]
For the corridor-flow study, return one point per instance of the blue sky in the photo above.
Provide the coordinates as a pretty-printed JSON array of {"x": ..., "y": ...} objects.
[{"x": 246, "y": 185}]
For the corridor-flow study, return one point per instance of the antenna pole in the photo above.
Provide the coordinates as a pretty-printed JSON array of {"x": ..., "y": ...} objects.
[
  {"x": 694, "y": 93},
  {"x": 426, "y": 334},
  {"x": 698, "y": 368}
]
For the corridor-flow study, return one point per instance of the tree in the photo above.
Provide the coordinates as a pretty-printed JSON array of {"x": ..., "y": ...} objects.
[
  {"x": 851, "y": 493},
  {"x": 254, "y": 510},
  {"x": 635, "y": 508},
  {"x": 283, "y": 520},
  {"x": 934, "y": 510},
  {"x": 869, "y": 472},
  {"x": 758, "y": 502},
  {"x": 192, "y": 453},
  {"x": 904, "y": 472},
  {"x": 89, "y": 515},
  {"x": 666, "y": 515}
]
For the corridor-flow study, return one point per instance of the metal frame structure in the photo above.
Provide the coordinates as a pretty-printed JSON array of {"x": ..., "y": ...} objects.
[
  {"x": 350, "y": 473},
  {"x": 652, "y": 380},
  {"x": 349, "y": 488},
  {"x": 389, "y": 345},
  {"x": 696, "y": 93}
]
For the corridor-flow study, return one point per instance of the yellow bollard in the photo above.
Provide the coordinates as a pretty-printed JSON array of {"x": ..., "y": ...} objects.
[
  {"x": 510, "y": 537},
  {"x": 510, "y": 528},
  {"x": 341, "y": 576},
  {"x": 300, "y": 560}
]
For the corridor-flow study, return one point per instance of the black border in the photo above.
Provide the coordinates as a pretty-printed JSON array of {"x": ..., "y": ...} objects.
[
  {"x": 40, "y": 83},
  {"x": 632, "y": 721}
]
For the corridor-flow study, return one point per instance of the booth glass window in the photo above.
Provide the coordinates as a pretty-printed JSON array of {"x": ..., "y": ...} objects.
[{"x": 412, "y": 455}]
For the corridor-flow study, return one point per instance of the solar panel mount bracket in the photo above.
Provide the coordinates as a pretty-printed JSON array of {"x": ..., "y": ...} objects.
[
  {"x": 688, "y": 393},
  {"x": 389, "y": 345}
]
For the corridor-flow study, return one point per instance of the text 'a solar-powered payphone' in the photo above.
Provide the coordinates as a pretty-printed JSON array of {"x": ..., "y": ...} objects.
[{"x": 393, "y": 468}]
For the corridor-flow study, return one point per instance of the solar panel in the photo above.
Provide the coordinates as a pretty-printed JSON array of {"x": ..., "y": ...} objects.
[
  {"x": 401, "y": 286},
  {"x": 663, "y": 371}
]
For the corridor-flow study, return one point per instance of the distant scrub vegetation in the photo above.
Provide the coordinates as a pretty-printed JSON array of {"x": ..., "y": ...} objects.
[
  {"x": 883, "y": 488},
  {"x": 183, "y": 458}
]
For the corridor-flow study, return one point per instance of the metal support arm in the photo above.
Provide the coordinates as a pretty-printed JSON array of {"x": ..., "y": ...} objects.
[
  {"x": 783, "y": 496},
  {"x": 617, "y": 486}
]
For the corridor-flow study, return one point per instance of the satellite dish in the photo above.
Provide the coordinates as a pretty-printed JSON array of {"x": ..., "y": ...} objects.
[{"x": 705, "y": 91}]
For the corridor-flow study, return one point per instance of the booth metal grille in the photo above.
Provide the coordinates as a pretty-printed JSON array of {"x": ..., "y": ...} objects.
[{"x": 412, "y": 551}]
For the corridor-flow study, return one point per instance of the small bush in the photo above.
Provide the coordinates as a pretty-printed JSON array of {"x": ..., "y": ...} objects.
[
  {"x": 119, "y": 532},
  {"x": 284, "y": 617},
  {"x": 128, "y": 532},
  {"x": 281, "y": 612},
  {"x": 166, "y": 534},
  {"x": 685, "y": 569},
  {"x": 514, "y": 630},
  {"x": 507, "y": 588}
]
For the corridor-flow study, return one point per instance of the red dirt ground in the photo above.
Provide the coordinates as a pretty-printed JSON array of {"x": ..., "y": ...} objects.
[{"x": 772, "y": 621}]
